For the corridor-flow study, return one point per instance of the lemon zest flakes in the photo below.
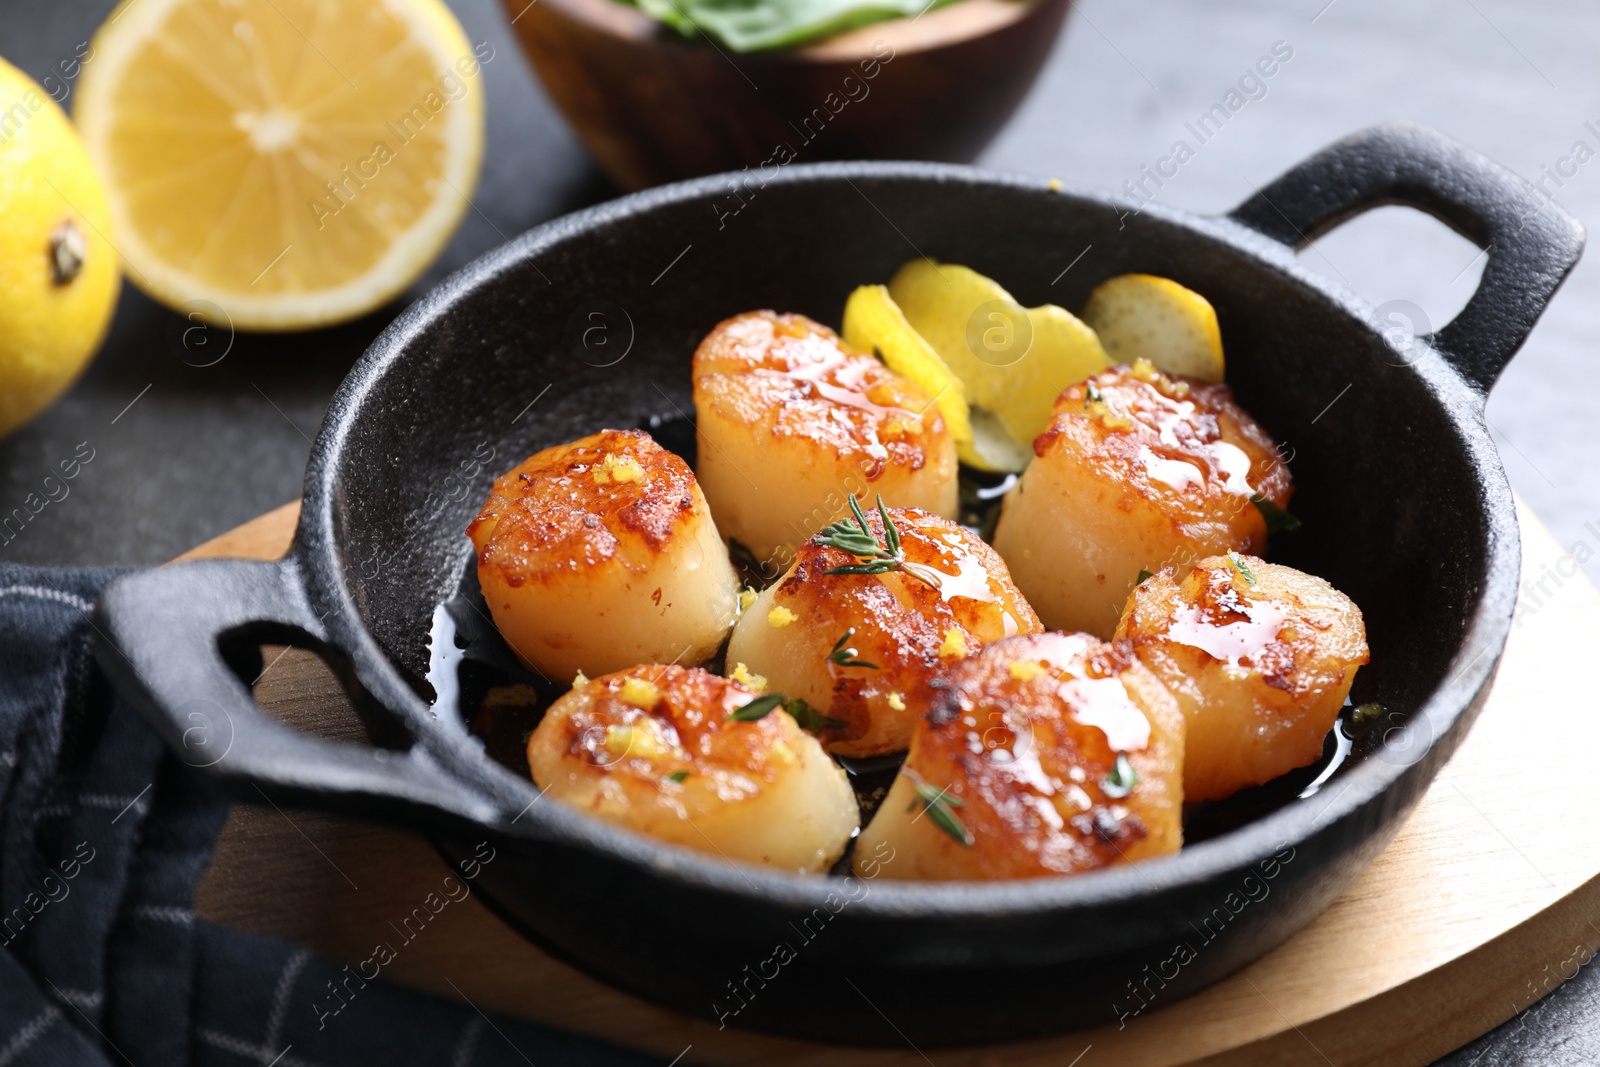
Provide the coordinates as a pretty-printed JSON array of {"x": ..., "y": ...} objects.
[
  {"x": 1145, "y": 371},
  {"x": 1095, "y": 404},
  {"x": 898, "y": 427},
  {"x": 780, "y": 616},
  {"x": 744, "y": 676},
  {"x": 747, "y": 596},
  {"x": 1119, "y": 423},
  {"x": 897, "y": 702},
  {"x": 619, "y": 739},
  {"x": 615, "y": 469},
  {"x": 639, "y": 738},
  {"x": 955, "y": 643},
  {"x": 639, "y": 693},
  {"x": 1024, "y": 670}
]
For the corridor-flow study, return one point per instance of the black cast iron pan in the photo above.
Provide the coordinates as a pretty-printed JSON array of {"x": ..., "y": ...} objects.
[{"x": 1405, "y": 506}]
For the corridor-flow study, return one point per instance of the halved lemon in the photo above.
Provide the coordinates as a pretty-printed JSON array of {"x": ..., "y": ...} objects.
[
  {"x": 1012, "y": 361},
  {"x": 1149, "y": 317},
  {"x": 293, "y": 162}
]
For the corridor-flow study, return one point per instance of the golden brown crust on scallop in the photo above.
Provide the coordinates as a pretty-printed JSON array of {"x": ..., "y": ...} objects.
[
  {"x": 689, "y": 722},
  {"x": 1026, "y": 735},
  {"x": 612, "y": 495},
  {"x": 1211, "y": 609},
  {"x": 654, "y": 749},
  {"x": 1179, "y": 445},
  {"x": 1260, "y": 664},
  {"x": 794, "y": 377},
  {"x": 906, "y": 627}
]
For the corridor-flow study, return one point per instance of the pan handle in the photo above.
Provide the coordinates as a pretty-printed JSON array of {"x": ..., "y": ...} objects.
[
  {"x": 1531, "y": 243},
  {"x": 163, "y": 639}
]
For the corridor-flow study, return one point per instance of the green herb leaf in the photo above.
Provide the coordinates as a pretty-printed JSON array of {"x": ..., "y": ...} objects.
[
  {"x": 1120, "y": 782},
  {"x": 757, "y": 709},
  {"x": 1365, "y": 713},
  {"x": 1092, "y": 394},
  {"x": 809, "y": 718},
  {"x": 1278, "y": 520},
  {"x": 881, "y": 566},
  {"x": 1143, "y": 576},
  {"x": 938, "y": 804},
  {"x": 861, "y": 519},
  {"x": 845, "y": 657},
  {"x": 757, "y": 25},
  {"x": 843, "y": 535},
  {"x": 891, "y": 536},
  {"x": 859, "y": 541},
  {"x": 678, "y": 776},
  {"x": 1242, "y": 567}
]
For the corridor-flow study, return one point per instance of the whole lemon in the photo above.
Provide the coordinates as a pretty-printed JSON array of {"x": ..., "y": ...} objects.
[{"x": 58, "y": 271}]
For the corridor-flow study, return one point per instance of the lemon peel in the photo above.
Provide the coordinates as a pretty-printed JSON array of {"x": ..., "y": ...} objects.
[
  {"x": 1143, "y": 316},
  {"x": 1012, "y": 361}
]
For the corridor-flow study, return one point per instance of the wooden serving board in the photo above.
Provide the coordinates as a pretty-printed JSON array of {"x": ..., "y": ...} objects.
[{"x": 1480, "y": 906}]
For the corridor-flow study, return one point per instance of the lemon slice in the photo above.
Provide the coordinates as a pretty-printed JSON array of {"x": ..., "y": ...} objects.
[
  {"x": 1012, "y": 361},
  {"x": 1143, "y": 316},
  {"x": 874, "y": 323},
  {"x": 295, "y": 162}
]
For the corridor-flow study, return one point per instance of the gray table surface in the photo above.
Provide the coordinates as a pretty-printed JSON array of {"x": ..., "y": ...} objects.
[{"x": 182, "y": 453}]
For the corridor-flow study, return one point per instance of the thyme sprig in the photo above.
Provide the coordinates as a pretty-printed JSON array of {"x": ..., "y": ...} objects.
[
  {"x": 939, "y": 805},
  {"x": 846, "y": 656},
  {"x": 872, "y": 556},
  {"x": 808, "y": 717}
]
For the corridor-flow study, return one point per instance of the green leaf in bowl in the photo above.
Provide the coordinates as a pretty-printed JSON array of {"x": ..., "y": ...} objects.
[{"x": 762, "y": 25}]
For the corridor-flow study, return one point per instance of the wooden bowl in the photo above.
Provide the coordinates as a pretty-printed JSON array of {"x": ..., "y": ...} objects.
[{"x": 654, "y": 108}]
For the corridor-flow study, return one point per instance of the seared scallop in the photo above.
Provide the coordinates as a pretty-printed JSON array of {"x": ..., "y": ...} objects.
[
  {"x": 1260, "y": 658},
  {"x": 1137, "y": 470},
  {"x": 864, "y": 648},
  {"x": 791, "y": 421},
  {"x": 662, "y": 750},
  {"x": 602, "y": 553},
  {"x": 1048, "y": 754}
]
